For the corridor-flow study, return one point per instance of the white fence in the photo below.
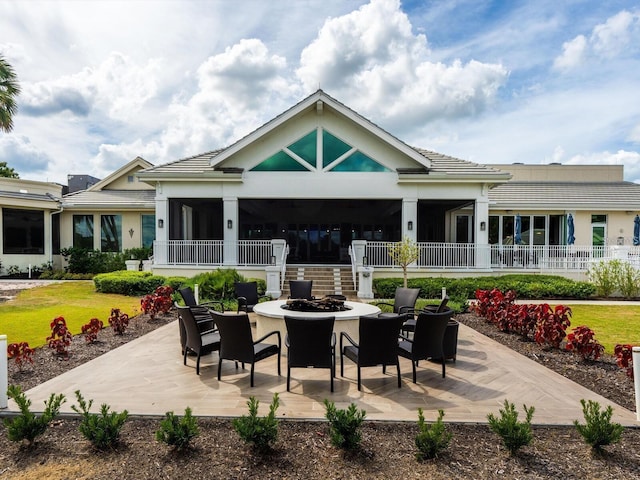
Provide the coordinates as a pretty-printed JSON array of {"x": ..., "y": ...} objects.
[
  {"x": 212, "y": 252},
  {"x": 471, "y": 256}
]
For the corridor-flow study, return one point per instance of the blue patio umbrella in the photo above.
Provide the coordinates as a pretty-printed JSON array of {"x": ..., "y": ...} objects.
[
  {"x": 570, "y": 230},
  {"x": 518, "y": 234},
  {"x": 636, "y": 230}
]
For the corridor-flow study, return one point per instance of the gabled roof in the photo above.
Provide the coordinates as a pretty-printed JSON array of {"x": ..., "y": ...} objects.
[
  {"x": 319, "y": 100},
  {"x": 595, "y": 196},
  {"x": 111, "y": 199},
  {"x": 134, "y": 165}
]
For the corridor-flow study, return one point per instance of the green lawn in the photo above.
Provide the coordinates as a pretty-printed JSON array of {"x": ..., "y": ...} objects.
[
  {"x": 612, "y": 324},
  {"x": 27, "y": 317}
]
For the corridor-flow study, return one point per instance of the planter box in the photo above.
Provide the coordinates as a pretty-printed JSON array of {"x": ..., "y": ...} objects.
[{"x": 450, "y": 342}]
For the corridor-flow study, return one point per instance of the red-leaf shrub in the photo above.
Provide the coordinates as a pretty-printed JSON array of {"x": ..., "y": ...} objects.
[
  {"x": 60, "y": 337},
  {"x": 525, "y": 320},
  {"x": 624, "y": 357},
  {"x": 157, "y": 302},
  {"x": 91, "y": 329},
  {"x": 492, "y": 305},
  {"x": 119, "y": 321},
  {"x": 552, "y": 325},
  {"x": 582, "y": 342},
  {"x": 21, "y": 353}
]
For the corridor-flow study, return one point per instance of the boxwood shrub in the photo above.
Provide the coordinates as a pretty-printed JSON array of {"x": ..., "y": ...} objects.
[
  {"x": 127, "y": 282},
  {"x": 527, "y": 286}
]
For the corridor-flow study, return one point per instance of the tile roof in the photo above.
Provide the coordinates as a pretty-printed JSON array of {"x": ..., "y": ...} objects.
[
  {"x": 28, "y": 196},
  {"x": 567, "y": 195},
  {"x": 121, "y": 199}
]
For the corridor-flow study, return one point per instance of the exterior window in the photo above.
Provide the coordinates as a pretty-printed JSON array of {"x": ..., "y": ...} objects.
[
  {"x": 508, "y": 229},
  {"x": 148, "y": 230},
  {"x": 22, "y": 231},
  {"x": 55, "y": 234},
  {"x": 83, "y": 231},
  {"x": 332, "y": 148},
  {"x": 130, "y": 179},
  {"x": 280, "y": 162},
  {"x": 359, "y": 162},
  {"x": 598, "y": 233},
  {"x": 110, "y": 233},
  {"x": 305, "y": 148},
  {"x": 494, "y": 229}
]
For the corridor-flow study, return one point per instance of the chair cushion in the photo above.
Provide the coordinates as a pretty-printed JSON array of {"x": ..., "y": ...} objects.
[
  {"x": 210, "y": 342},
  {"x": 264, "y": 350},
  {"x": 351, "y": 353},
  {"x": 405, "y": 348}
]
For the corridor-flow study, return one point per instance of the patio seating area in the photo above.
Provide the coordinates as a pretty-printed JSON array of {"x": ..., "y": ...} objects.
[{"x": 147, "y": 377}]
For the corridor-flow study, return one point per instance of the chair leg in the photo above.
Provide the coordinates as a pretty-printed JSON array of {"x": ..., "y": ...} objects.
[
  {"x": 219, "y": 367},
  {"x": 288, "y": 376},
  {"x": 444, "y": 363},
  {"x": 252, "y": 367},
  {"x": 398, "y": 368},
  {"x": 414, "y": 364},
  {"x": 359, "y": 379},
  {"x": 341, "y": 365},
  {"x": 279, "y": 363},
  {"x": 198, "y": 365},
  {"x": 184, "y": 359}
]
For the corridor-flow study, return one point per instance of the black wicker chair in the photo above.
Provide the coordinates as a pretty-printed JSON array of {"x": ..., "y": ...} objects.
[
  {"x": 428, "y": 339},
  {"x": 310, "y": 342},
  {"x": 404, "y": 301},
  {"x": 301, "y": 289},
  {"x": 410, "y": 324},
  {"x": 196, "y": 340},
  {"x": 236, "y": 341},
  {"x": 377, "y": 345},
  {"x": 247, "y": 296}
]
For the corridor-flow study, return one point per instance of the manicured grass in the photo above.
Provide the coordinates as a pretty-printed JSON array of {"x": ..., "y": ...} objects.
[
  {"x": 27, "y": 317},
  {"x": 611, "y": 324}
]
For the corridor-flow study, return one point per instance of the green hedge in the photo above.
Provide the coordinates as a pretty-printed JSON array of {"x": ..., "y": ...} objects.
[
  {"x": 126, "y": 282},
  {"x": 527, "y": 286}
]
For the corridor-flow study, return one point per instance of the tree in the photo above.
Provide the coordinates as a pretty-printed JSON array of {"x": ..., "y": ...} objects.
[
  {"x": 404, "y": 253},
  {"x": 9, "y": 90},
  {"x": 7, "y": 172}
]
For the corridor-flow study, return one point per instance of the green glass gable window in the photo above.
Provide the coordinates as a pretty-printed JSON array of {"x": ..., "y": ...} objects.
[
  {"x": 305, "y": 148},
  {"x": 332, "y": 148},
  {"x": 279, "y": 162},
  {"x": 359, "y": 162}
]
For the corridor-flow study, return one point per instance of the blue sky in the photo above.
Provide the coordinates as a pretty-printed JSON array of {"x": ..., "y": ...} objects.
[{"x": 492, "y": 82}]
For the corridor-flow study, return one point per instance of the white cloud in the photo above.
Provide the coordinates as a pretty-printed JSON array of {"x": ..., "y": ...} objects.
[
  {"x": 618, "y": 35},
  {"x": 573, "y": 53},
  {"x": 371, "y": 57},
  {"x": 23, "y": 156}
]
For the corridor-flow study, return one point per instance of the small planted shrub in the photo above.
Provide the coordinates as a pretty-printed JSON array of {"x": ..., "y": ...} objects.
[
  {"x": 157, "y": 302},
  {"x": 598, "y": 429},
  {"x": 60, "y": 338},
  {"x": 28, "y": 426},
  {"x": 552, "y": 325},
  {"x": 178, "y": 432},
  {"x": 344, "y": 425},
  {"x": 103, "y": 429},
  {"x": 119, "y": 321},
  {"x": 582, "y": 342},
  {"x": 604, "y": 275},
  {"x": 21, "y": 353},
  {"x": 514, "y": 434},
  {"x": 431, "y": 439},
  {"x": 91, "y": 330},
  {"x": 624, "y": 357},
  {"x": 260, "y": 432}
]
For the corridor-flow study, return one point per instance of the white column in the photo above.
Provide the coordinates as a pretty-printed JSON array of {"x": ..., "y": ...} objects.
[
  {"x": 481, "y": 230},
  {"x": 230, "y": 227},
  {"x": 4, "y": 372},
  {"x": 160, "y": 254},
  {"x": 273, "y": 281},
  {"x": 410, "y": 218},
  {"x": 365, "y": 282}
]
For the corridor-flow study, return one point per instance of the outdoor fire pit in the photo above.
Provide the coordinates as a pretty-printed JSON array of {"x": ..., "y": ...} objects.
[{"x": 325, "y": 304}]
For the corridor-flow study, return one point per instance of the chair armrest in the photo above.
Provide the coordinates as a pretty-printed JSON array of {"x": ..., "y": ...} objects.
[
  {"x": 333, "y": 339},
  {"x": 406, "y": 309},
  {"x": 212, "y": 304},
  {"x": 275, "y": 332},
  {"x": 349, "y": 339},
  {"x": 383, "y": 303}
]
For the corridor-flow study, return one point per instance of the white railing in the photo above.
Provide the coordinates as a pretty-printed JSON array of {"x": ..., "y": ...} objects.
[
  {"x": 212, "y": 252},
  {"x": 352, "y": 256},
  {"x": 472, "y": 256},
  {"x": 283, "y": 265}
]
